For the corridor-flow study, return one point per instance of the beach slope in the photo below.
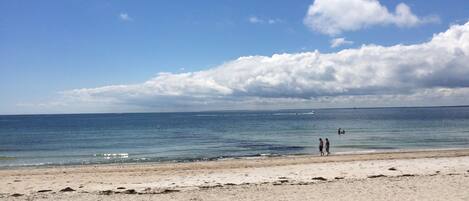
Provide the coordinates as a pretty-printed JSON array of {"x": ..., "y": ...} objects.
[{"x": 410, "y": 175}]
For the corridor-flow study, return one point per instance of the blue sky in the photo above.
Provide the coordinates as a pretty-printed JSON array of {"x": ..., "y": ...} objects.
[{"x": 50, "y": 47}]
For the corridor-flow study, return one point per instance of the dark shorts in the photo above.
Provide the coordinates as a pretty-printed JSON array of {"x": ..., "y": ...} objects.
[{"x": 320, "y": 149}]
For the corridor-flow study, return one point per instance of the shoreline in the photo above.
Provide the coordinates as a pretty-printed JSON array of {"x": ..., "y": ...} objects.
[
  {"x": 118, "y": 181},
  {"x": 224, "y": 158}
]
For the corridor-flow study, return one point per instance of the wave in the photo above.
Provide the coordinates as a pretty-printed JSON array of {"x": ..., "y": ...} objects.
[
  {"x": 231, "y": 115},
  {"x": 127, "y": 160},
  {"x": 254, "y": 114},
  {"x": 206, "y": 115},
  {"x": 293, "y": 113},
  {"x": 112, "y": 155}
]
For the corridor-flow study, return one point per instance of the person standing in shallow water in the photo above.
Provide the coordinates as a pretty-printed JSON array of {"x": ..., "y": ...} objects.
[
  {"x": 321, "y": 145},
  {"x": 327, "y": 147}
]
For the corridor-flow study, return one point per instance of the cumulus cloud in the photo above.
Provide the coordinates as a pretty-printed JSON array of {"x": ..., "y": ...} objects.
[
  {"x": 125, "y": 17},
  {"x": 336, "y": 42},
  {"x": 333, "y": 17},
  {"x": 421, "y": 73}
]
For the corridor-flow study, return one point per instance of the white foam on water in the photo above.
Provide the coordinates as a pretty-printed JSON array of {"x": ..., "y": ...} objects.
[
  {"x": 112, "y": 155},
  {"x": 293, "y": 113}
]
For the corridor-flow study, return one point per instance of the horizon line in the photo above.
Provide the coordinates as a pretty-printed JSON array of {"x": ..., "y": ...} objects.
[{"x": 234, "y": 110}]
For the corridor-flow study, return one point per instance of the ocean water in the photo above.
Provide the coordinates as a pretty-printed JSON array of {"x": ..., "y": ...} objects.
[{"x": 29, "y": 140}]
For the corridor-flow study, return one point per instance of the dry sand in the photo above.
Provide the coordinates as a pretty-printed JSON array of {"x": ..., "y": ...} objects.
[{"x": 416, "y": 175}]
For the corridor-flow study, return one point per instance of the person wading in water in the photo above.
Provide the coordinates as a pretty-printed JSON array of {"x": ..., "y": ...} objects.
[
  {"x": 327, "y": 147},
  {"x": 321, "y": 145}
]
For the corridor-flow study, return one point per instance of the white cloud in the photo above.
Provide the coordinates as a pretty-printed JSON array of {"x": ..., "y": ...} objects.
[
  {"x": 434, "y": 72},
  {"x": 125, "y": 17},
  {"x": 333, "y": 17},
  {"x": 336, "y": 42},
  {"x": 257, "y": 20},
  {"x": 274, "y": 21}
]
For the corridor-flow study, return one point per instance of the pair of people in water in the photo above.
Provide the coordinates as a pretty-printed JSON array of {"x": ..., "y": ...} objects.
[
  {"x": 321, "y": 146},
  {"x": 341, "y": 131}
]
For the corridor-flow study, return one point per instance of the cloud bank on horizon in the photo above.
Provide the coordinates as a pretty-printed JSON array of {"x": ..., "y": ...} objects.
[
  {"x": 333, "y": 17},
  {"x": 426, "y": 73}
]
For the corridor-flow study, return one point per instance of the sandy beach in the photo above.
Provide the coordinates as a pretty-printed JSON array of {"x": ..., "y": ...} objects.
[{"x": 405, "y": 175}]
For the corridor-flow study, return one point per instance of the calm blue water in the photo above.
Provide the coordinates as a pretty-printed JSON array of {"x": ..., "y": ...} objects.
[{"x": 114, "y": 138}]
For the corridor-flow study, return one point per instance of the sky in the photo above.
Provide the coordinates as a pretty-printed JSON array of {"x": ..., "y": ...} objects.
[{"x": 159, "y": 56}]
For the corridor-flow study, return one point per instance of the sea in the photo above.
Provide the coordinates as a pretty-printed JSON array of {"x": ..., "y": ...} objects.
[{"x": 74, "y": 139}]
